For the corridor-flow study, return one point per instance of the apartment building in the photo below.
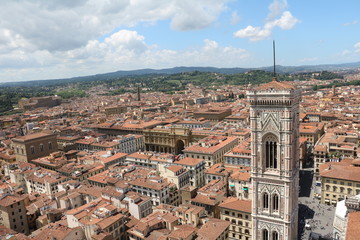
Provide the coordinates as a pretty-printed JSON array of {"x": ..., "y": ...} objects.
[
  {"x": 196, "y": 169},
  {"x": 98, "y": 216},
  {"x": 339, "y": 180},
  {"x": 238, "y": 213},
  {"x": 211, "y": 149},
  {"x": 44, "y": 181},
  {"x": 210, "y": 196},
  {"x": 155, "y": 187}
]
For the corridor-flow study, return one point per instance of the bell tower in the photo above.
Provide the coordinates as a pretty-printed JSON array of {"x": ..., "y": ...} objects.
[{"x": 274, "y": 121}]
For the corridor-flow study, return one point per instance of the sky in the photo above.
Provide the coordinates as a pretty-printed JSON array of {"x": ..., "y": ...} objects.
[{"x": 42, "y": 39}]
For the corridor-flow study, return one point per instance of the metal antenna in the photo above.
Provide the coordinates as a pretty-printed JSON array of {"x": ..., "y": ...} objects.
[{"x": 274, "y": 60}]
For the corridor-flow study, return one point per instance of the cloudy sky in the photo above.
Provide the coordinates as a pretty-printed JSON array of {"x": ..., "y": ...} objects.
[{"x": 42, "y": 39}]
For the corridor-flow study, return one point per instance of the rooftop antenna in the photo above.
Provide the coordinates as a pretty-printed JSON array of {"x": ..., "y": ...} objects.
[{"x": 274, "y": 77}]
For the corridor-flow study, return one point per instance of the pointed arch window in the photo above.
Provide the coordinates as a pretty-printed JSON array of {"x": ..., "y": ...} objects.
[
  {"x": 271, "y": 152},
  {"x": 265, "y": 201},
  {"x": 265, "y": 234},
  {"x": 275, "y": 235},
  {"x": 275, "y": 202}
]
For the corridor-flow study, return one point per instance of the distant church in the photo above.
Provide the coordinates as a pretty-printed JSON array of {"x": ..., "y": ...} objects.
[{"x": 274, "y": 122}]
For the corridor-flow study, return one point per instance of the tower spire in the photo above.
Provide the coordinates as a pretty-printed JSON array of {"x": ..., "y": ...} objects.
[{"x": 274, "y": 77}]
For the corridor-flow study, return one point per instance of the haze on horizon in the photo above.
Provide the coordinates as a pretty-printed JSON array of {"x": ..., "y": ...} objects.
[{"x": 60, "y": 39}]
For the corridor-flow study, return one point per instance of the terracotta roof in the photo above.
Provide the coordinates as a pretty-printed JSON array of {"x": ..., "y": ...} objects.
[
  {"x": 340, "y": 170},
  {"x": 275, "y": 85},
  {"x": 236, "y": 204},
  {"x": 9, "y": 200},
  {"x": 212, "y": 229},
  {"x": 211, "y": 144},
  {"x": 189, "y": 161},
  {"x": 174, "y": 168},
  {"x": 32, "y": 136}
]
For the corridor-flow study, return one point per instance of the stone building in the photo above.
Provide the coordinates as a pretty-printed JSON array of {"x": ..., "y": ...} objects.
[
  {"x": 34, "y": 146},
  {"x": 13, "y": 212},
  {"x": 167, "y": 139},
  {"x": 36, "y": 102},
  {"x": 213, "y": 114},
  {"x": 274, "y": 118}
]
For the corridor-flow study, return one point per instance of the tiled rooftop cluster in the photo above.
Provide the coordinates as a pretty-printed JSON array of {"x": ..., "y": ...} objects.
[{"x": 165, "y": 167}]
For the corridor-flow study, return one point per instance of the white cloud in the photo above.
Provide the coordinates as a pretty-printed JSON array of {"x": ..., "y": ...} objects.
[
  {"x": 190, "y": 15},
  {"x": 276, "y": 8},
  {"x": 351, "y": 23},
  {"x": 345, "y": 52},
  {"x": 276, "y": 18},
  {"x": 286, "y": 21},
  {"x": 124, "y": 50},
  {"x": 235, "y": 18},
  {"x": 50, "y": 39},
  {"x": 67, "y": 24},
  {"x": 357, "y": 47}
]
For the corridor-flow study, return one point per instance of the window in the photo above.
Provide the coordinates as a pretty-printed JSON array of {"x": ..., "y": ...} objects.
[
  {"x": 50, "y": 145},
  {"x": 275, "y": 202},
  {"x": 265, "y": 234},
  {"x": 275, "y": 235},
  {"x": 41, "y": 147},
  {"x": 334, "y": 188},
  {"x": 32, "y": 149},
  {"x": 265, "y": 201},
  {"x": 271, "y": 152}
]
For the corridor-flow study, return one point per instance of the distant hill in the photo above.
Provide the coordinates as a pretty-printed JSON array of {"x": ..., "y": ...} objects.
[{"x": 119, "y": 74}]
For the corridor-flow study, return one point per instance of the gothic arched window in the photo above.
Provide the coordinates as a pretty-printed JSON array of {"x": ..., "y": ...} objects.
[
  {"x": 275, "y": 202},
  {"x": 271, "y": 152},
  {"x": 275, "y": 235},
  {"x": 265, "y": 234},
  {"x": 265, "y": 201}
]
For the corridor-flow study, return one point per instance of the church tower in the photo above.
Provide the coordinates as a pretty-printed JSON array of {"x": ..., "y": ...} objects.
[{"x": 274, "y": 121}]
